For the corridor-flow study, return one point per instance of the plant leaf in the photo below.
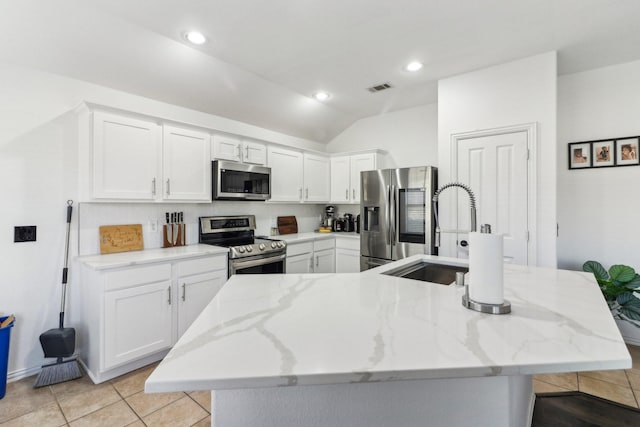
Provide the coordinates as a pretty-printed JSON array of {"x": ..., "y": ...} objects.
[
  {"x": 626, "y": 298},
  {"x": 597, "y": 269},
  {"x": 622, "y": 273},
  {"x": 631, "y": 312},
  {"x": 634, "y": 283}
]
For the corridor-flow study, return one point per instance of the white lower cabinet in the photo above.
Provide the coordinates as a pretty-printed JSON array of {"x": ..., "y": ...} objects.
[
  {"x": 324, "y": 261},
  {"x": 347, "y": 255},
  {"x": 311, "y": 257},
  {"x": 131, "y": 316},
  {"x": 299, "y": 264}
]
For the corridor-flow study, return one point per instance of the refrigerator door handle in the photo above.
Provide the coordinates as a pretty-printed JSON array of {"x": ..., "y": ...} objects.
[
  {"x": 389, "y": 215},
  {"x": 392, "y": 217}
]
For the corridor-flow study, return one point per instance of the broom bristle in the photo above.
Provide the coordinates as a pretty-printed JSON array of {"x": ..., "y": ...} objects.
[{"x": 58, "y": 372}]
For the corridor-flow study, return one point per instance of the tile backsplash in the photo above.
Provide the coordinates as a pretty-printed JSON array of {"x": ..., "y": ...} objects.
[{"x": 93, "y": 215}]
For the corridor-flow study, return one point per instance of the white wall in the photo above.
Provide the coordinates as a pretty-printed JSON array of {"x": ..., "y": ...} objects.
[
  {"x": 598, "y": 208},
  {"x": 517, "y": 92},
  {"x": 409, "y": 136},
  {"x": 38, "y": 173}
]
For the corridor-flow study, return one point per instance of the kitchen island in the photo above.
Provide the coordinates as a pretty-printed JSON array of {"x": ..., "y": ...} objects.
[{"x": 375, "y": 350}]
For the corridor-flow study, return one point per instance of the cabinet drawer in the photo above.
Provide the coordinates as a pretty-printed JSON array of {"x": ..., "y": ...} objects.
[
  {"x": 299, "y": 248},
  {"x": 348, "y": 243},
  {"x": 319, "y": 245},
  {"x": 202, "y": 265},
  {"x": 137, "y": 276}
]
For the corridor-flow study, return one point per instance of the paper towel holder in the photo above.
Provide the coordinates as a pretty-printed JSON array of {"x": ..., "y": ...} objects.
[{"x": 482, "y": 307}]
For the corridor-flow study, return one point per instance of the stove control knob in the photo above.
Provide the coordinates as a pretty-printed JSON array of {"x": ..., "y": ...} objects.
[
  {"x": 241, "y": 249},
  {"x": 273, "y": 245},
  {"x": 262, "y": 246},
  {"x": 249, "y": 248},
  {"x": 281, "y": 244}
]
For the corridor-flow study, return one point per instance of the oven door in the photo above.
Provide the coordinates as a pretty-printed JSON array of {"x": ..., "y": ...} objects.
[
  {"x": 262, "y": 265},
  {"x": 236, "y": 181}
]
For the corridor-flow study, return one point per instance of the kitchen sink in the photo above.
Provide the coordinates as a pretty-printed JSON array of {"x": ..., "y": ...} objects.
[{"x": 425, "y": 271}]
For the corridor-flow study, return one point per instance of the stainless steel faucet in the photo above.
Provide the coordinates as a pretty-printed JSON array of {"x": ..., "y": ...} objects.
[{"x": 472, "y": 205}]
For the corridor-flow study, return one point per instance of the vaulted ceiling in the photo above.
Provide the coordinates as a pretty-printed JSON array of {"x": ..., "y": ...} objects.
[{"x": 264, "y": 58}]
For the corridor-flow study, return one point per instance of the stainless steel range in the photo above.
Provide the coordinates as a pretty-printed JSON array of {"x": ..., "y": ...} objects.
[{"x": 247, "y": 254}]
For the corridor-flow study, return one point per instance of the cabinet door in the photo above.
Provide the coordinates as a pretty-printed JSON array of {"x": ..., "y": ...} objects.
[
  {"x": 324, "y": 261},
  {"x": 254, "y": 153},
  {"x": 317, "y": 184},
  {"x": 340, "y": 179},
  {"x": 195, "y": 293},
  {"x": 226, "y": 148},
  {"x": 347, "y": 261},
  {"x": 359, "y": 163},
  {"x": 186, "y": 164},
  {"x": 286, "y": 174},
  {"x": 137, "y": 322},
  {"x": 126, "y": 158},
  {"x": 300, "y": 264}
]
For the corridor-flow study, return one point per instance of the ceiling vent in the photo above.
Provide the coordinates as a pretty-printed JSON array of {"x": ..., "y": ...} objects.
[{"x": 380, "y": 87}]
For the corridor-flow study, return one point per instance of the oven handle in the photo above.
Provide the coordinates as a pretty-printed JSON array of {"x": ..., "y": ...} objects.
[{"x": 237, "y": 265}]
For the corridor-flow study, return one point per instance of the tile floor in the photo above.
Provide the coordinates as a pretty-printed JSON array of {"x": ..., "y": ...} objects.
[{"x": 122, "y": 401}]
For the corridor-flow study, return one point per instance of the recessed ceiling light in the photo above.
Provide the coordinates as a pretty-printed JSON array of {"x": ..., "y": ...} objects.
[
  {"x": 414, "y": 66},
  {"x": 321, "y": 96},
  {"x": 195, "y": 37}
]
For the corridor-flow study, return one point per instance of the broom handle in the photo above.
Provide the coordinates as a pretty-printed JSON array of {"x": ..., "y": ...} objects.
[{"x": 65, "y": 270}]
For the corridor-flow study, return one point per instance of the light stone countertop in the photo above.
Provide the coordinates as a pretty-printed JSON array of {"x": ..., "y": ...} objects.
[
  {"x": 124, "y": 259},
  {"x": 310, "y": 236},
  {"x": 316, "y": 329}
]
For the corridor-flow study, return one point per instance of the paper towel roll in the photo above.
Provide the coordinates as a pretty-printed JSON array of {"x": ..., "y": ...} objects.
[{"x": 486, "y": 268}]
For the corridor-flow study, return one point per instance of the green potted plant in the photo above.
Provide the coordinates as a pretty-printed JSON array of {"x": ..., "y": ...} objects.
[{"x": 620, "y": 286}]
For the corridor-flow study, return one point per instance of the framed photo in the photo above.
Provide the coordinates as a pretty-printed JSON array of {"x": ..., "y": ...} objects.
[
  {"x": 602, "y": 153},
  {"x": 579, "y": 155},
  {"x": 627, "y": 151}
]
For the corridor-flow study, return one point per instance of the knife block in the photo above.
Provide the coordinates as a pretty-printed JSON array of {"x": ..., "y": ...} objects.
[{"x": 173, "y": 235}]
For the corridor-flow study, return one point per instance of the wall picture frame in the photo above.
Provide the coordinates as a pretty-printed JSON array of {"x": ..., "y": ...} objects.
[
  {"x": 579, "y": 155},
  {"x": 626, "y": 153},
  {"x": 603, "y": 153}
]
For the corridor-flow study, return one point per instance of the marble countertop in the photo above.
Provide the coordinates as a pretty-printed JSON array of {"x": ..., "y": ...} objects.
[
  {"x": 342, "y": 328},
  {"x": 124, "y": 259},
  {"x": 310, "y": 236}
]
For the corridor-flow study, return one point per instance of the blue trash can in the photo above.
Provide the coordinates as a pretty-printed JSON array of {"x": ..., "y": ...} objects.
[{"x": 5, "y": 337}]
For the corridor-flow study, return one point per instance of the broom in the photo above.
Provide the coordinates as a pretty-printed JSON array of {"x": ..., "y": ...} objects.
[{"x": 60, "y": 342}]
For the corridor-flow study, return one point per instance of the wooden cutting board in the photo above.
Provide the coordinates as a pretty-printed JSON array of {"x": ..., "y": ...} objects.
[
  {"x": 120, "y": 238},
  {"x": 287, "y": 225}
]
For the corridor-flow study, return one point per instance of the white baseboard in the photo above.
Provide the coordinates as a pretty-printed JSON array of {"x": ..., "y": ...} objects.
[{"x": 23, "y": 373}]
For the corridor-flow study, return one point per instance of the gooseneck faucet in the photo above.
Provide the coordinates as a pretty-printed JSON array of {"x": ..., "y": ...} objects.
[{"x": 472, "y": 205}]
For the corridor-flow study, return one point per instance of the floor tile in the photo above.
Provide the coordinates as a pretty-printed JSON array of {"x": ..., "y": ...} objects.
[
  {"x": 635, "y": 356},
  {"x": 203, "y": 398},
  {"x": 542, "y": 387},
  {"x": 81, "y": 404},
  {"x": 70, "y": 388},
  {"x": 132, "y": 382},
  {"x": 616, "y": 377},
  {"x": 204, "y": 423},
  {"x": 145, "y": 403},
  {"x": 568, "y": 381},
  {"x": 21, "y": 398},
  {"x": 138, "y": 423},
  {"x": 183, "y": 412},
  {"x": 634, "y": 379},
  {"x": 116, "y": 415},
  {"x": 47, "y": 416},
  {"x": 607, "y": 390}
]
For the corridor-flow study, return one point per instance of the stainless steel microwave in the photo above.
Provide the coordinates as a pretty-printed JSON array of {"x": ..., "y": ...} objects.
[{"x": 237, "y": 181}]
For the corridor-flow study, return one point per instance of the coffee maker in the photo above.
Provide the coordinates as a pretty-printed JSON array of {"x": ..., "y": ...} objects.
[
  {"x": 329, "y": 216},
  {"x": 348, "y": 222}
]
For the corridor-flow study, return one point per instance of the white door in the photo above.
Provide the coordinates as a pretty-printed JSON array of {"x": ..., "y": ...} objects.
[
  {"x": 137, "y": 322},
  {"x": 496, "y": 168},
  {"x": 340, "y": 177},
  {"x": 286, "y": 174},
  {"x": 359, "y": 163},
  {"x": 186, "y": 164},
  {"x": 254, "y": 153},
  {"x": 299, "y": 264},
  {"x": 316, "y": 178},
  {"x": 325, "y": 261},
  {"x": 126, "y": 158},
  {"x": 347, "y": 261},
  {"x": 226, "y": 148},
  {"x": 195, "y": 293}
]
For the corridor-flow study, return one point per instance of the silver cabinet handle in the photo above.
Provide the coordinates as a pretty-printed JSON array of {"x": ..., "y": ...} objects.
[
  {"x": 246, "y": 153},
  {"x": 311, "y": 263},
  {"x": 184, "y": 291},
  {"x": 168, "y": 186},
  {"x": 354, "y": 193},
  {"x": 153, "y": 187},
  {"x": 169, "y": 291},
  {"x": 317, "y": 260},
  {"x": 239, "y": 153},
  {"x": 346, "y": 194},
  {"x": 307, "y": 193}
]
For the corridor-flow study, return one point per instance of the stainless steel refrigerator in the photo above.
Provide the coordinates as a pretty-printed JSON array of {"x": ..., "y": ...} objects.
[{"x": 396, "y": 214}]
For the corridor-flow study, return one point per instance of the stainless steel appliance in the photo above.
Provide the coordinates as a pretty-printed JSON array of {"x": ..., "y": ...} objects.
[
  {"x": 237, "y": 181},
  {"x": 396, "y": 214},
  {"x": 247, "y": 254}
]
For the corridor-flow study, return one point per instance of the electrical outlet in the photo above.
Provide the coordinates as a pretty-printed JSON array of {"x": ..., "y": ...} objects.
[
  {"x": 24, "y": 233},
  {"x": 153, "y": 225}
]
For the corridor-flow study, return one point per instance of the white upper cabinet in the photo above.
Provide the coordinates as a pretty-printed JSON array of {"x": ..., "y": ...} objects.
[
  {"x": 126, "y": 158},
  {"x": 345, "y": 176},
  {"x": 317, "y": 178},
  {"x": 286, "y": 174},
  {"x": 186, "y": 164},
  {"x": 238, "y": 150}
]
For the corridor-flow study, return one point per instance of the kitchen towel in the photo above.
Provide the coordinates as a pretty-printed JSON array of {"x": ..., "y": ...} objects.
[{"x": 486, "y": 268}]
